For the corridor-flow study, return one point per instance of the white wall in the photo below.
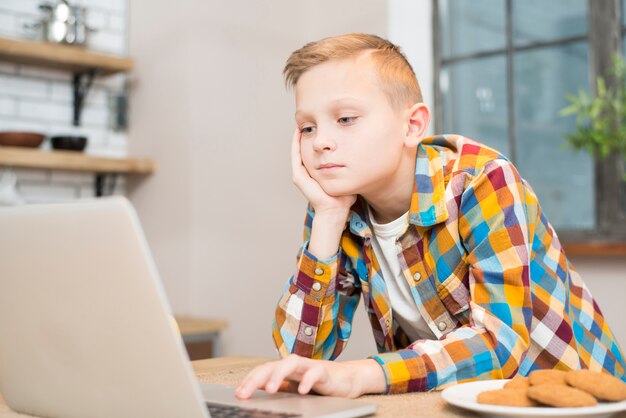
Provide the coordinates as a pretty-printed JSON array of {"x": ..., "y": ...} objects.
[
  {"x": 409, "y": 25},
  {"x": 208, "y": 103}
]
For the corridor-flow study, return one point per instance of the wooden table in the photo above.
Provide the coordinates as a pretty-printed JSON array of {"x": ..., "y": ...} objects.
[
  {"x": 231, "y": 370},
  {"x": 201, "y": 336}
]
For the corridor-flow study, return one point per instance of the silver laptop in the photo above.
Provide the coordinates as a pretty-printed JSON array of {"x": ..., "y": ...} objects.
[{"x": 86, "y": 329}]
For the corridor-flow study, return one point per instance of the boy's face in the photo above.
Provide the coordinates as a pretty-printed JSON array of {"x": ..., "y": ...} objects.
[{"x": 352, "y": 139}]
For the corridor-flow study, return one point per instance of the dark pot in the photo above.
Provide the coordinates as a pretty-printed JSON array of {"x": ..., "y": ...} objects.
[{"x": 69, "y": 143}]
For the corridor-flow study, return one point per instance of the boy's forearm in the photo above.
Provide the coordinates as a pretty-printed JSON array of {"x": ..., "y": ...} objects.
[
  {"x": 317, "y": 268},
  {"x": 326, "y": 233}
]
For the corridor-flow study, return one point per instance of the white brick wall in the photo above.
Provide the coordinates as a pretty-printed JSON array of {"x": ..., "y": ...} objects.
[{"x": 39, "y": 99}]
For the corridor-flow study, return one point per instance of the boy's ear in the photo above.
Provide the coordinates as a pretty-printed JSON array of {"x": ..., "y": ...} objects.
[{"x": 418, "y": 117}]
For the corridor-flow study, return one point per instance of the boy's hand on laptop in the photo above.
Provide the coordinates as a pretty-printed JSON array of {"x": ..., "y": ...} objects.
[
  {"x": 331, "y": 212},
  {"x": 348, "y": 379}
]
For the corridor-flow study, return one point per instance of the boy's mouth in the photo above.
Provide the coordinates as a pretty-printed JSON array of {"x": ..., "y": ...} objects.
[{"x": 329, "y": 166}]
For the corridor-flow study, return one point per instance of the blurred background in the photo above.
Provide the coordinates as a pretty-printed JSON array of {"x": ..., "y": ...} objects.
[{"x": 205, "y": 100}]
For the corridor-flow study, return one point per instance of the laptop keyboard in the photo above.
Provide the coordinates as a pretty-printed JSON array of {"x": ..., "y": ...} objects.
[{"x": 228, "y": 411}]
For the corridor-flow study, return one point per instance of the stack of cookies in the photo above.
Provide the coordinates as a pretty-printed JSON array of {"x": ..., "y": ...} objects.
[{"x": 557, "y": 388}]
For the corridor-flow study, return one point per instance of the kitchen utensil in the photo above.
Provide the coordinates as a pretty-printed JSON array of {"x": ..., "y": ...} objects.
[
  {"x": 21, "y": 139},
  {"x": 63, "y": 23},
  {"x": 9, "y": 196},
  {"x": 69, "y": 142}
]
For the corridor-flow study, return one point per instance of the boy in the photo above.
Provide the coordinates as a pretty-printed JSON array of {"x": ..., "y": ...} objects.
[{"x": 462, "y": 276}]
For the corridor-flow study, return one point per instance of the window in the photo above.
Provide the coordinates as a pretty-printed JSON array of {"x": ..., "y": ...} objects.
[{"x": 504, "y": 67}]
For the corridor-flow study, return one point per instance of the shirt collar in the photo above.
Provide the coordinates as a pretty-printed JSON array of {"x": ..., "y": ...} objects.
[{"x": 428, "y": 205}]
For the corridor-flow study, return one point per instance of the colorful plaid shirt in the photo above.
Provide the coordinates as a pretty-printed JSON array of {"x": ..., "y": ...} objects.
[{"x": 485, "y": 268}]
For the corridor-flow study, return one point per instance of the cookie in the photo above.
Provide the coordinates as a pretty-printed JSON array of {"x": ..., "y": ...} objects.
[
  {"x": 542, "y": 377},
  {"x": 560, "y": 395},
  {"x": 505, "y": 397},
  {"x": 518, "y": 382},
  {"x": 601, "y": 385}
]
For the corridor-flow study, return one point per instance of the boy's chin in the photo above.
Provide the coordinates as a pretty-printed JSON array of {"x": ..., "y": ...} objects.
[{"x": 338, "y": 191}]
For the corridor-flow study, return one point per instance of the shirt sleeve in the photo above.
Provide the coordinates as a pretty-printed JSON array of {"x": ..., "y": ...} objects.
[
  {"x": 314, "y": 315},
  {"x": 495, "y": 231}
]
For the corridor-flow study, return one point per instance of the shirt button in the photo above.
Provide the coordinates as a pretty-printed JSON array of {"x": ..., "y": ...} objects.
[
  {"x": 308, "y": 331},
  {"x": 387, "y": 322},
  {"x": 319, "y": 271},
  {"x": 442, "y": 326},
  {"x": 417, "y": 276},
  {"x": 317, "y": 286}
]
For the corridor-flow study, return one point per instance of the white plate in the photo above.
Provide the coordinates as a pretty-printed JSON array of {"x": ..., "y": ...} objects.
[{"x": 464, "y": 396}]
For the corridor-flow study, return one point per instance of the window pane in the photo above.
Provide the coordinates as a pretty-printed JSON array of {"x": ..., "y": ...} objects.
[
  {"x": 540, "y": 20},
  {"x": 474, "y": 100},
  {"x": 623, "y": 201},
  {"x": 471, "y": 26},
  {"x": 563, "y": 180}
]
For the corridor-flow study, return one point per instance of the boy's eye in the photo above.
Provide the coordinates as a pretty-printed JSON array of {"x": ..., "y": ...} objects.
[
  {"x": 346, "y": 119},
  {"x": 306, "y": 130}
]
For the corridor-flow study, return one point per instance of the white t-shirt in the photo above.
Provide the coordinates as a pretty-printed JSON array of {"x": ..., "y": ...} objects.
[{"x": 403, "y": 305}]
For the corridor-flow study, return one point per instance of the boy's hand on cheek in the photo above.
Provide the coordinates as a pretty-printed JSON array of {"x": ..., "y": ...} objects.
[
  {"x": 331, "y": 212},
  {"x": 345, "y": 379},
  {"x": 319, "y": 199}
]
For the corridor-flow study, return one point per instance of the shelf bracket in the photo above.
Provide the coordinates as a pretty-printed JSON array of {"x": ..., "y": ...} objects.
[
  {"x": 82, "y": 83},
  {"x": 102, "y": 187}
]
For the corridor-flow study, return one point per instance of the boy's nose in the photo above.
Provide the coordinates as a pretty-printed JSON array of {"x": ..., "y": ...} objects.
[{"x": 323, "y": 142}]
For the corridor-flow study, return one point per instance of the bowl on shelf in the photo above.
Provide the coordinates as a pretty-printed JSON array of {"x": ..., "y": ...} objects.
[
  {"x": 68, "y": 142},
  {"x": 21, "y": 139}
]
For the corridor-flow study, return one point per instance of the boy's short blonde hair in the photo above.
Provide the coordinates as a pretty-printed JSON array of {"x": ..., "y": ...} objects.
[{"x": 397, "y": 77}]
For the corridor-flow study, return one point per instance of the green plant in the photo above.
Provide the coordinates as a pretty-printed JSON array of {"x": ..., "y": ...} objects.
[{"x": 601, "y": 118}]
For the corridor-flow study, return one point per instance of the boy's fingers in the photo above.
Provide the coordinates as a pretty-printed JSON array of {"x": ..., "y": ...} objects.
[
  {"x": 271, "y": 376},
  {"x": 246, "y": 387},
  {"x": 296, "y": 135},
  {"x": 295, "y": 147},
  {"x": 299, "y": 174},
  {"x": 256, "y": 379},
  {"x": 283, "y": 375},
  {"x": 296, "y": 158},
  {"x": 310, "y": 378},
  {"x": 288, "y": 368},
  {"x": 288, "y": 386}
]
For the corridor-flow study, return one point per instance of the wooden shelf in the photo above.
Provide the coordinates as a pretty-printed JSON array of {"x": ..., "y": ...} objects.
[
  {"x": 610, "y": 249},
  {"x": 64, "y": 57},
  {"x": 73, "y": 161},
  {"x": 85, "y": 65}
]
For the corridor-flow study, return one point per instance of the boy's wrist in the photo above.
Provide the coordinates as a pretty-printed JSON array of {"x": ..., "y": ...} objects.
[
  {"x": 326, "y": 232},
  {"x": 369, "y": 377},
  {"x": 332, "y": 219}
]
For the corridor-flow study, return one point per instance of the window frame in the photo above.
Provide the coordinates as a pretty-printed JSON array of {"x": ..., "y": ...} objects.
[{"x": 604, "y": 39}]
